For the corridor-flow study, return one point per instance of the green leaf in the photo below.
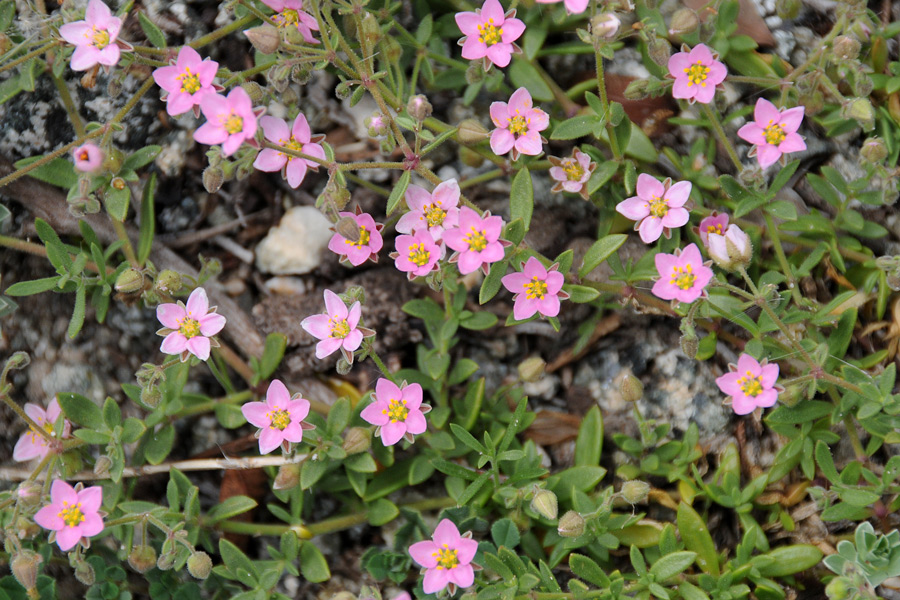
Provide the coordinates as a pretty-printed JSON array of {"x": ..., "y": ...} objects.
[
  {"x": 154, "y": 34},
  {"x": 782, "y": 209},
  {"x": 467, "y": 438},
  {"x": 587, "y": 569},
  {"x": 311, "y": 472},
  {"x": 826, "y": 462},
  {"x": 77, "y": 320},
  {"x": 505, "y": 533},
  {"x": 80, "y": 410},
  {"x": 57, "y": 253},
  {"x": 116, "y": 202},
  {"x": 381, "y": 512},
  {"x": 491, "y": 284},
  {"x": 805, "y": 411},
  {"x": 59, "y": 171},
  {"x": 859, "y": 497},
  {"x": 672, "y": 564},
  {"x": 782, "y": 178},
  {"x": 239, "y": 566},
  {"x": 697, "y": 539},
  {"x": 4, "y": 213},
  {"x": 580, "y": 478},
  {"x": 576, "y": 127},
  {"x": 338, "y": 416},
  {"x": 148, "y": 220},
  {"x": 478, "y": 321},
  {"x": 600, "y": 251},
  {"x": 581, "y": 294},
  {"x": 112, "y": 414},
  {"x": 472, "y": 490},
  {"x": 589, "y": 443},
  {"x": 787, "y": 560},
  {"x": 313, "y": 565},
  {"x": 159, "y": 444},
  {"x": 398, "y": 192},
  {"x": 272, "y": 354},
  {"x": 29, "y": 288},
  {"x": 423, "y": 33},
  {"x": 132, "y": 430},
  {"x": 524, "y": 74},
  {"x": 521, "y": 197},
  {"x": 230, "y": 507}
]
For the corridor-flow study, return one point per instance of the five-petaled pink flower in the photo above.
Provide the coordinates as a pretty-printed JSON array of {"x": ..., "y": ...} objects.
[
  {"x": 489, "y": 34},
  {"x": 447, "y": 558},
  {"x": 229, "y": 121},
  {"x": 72, "y": 515},
  {"x": 94, "y": 38},
  {"x": 290, "y": 12},
  {"x": 658, "y": 206},
  {"x": 518, "y": 125},
  {"x": 715, "y": 223},
  {"x": 536, "y": 289},
  {"x": 683, "y": 276},
  {"x": 88, "y": 157},
  {"x": 361, "y": 243},
  {"x": 476, "y": 241},
  {"x": 750, "y": 384},
  {"x": 32, "y": 444},
  {"x": 773, "y": 133},
  {"x": 189, "y": 329},
  {"x": 417, "y": 254},
  {"x": 186, "y": 81},
  {"x": 572, "y": 173},
  {"x": 696, "y": 73},
  {"x": 338, "y": 328},
  {"x": 435, "y": 212},
  {"x": 298, "y": 139},
  {"x": 397, "y": 412},
  {"x": 279, "y": 418},
  {"x": 573, "y": 7}
]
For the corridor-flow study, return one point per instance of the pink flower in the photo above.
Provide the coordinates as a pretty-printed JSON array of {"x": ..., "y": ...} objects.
[
  {"x": 447, "y": 559},
  {"x": 417, "y": 254},
  {"x": 88, "y": 157},
  {"x": 72, "y": 515},
  {"x": 682, "y": 276},
  {"x": 714, "y": 223},
  {"x": 657, "y": 208},
  {"x": 94, "y": 38},
  {"x": 435, "y": 212},
  {"x": 773, "y": 133},
  {"x": 518, "y": 125},
  {"x": 731, "y": 249},
  {"x": 573, "y": 7},
  {"x": 572, "y": 173},
  {"x": 489, "y": 34},
  {"x": 750, "y": 384},
  {"x": 476, "y": 241},
  {"x": 229, "y": 121},
  {"x": 368, "y": 239},
  {"x": 298, "y": 139},
  {"x": 397, "y": 412},
  {"x": 290, "y": 12},
  {"x": 32, "y": 444},
  {"x": 536, "y": 289},
  {"x": 186, "y": 81},
  {"x": 338, "y": 328},
  {"x": 279, "y": 418},
  {"x": 696, "y": 73},
  {"x": 188, "y": 329}
]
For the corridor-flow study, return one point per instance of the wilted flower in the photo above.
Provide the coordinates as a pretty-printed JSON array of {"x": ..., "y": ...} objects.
[
  {"x": 447, "y": 559},
  {"x": 229, "y": 121},
  {"x": 476, "y": 241},
  {"x": 94, "y": 38},
  {"x": 682, "y": 276},
  {"x": 290, "y": 13},
  {"x": 417, "y": 254},
  {"x": 773, "y": 133},
  {"x": 537, "y": 289},
  {"x": 186, "y": 81},
  {"x": 298, "y": 139},
  {"x": 72, "y": 515},
  {"x": 364, "y": 241},
  {"x": 750, "y": 384},
  {"x": 338, "y": 328},
  {"x": 188, "y": 329},
  {"x": 32, "y": 444},
  {"x": 696, "y": 73},
  {"x": 397, "y": 412},
  {"x": 88, "y": 157},
  {"x": 658, "y": 207},
  {"x": 518, "y": 125},
  {"x": 279, "y": 418},
  {"x": 572, "y": 173},
  {"x": 489, "y": 34},
  {"x": 434, "y": 212}
]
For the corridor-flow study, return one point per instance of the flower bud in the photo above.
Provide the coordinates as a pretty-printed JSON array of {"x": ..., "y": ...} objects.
[
  {"x": 150, "y": 396},
  {"x": 278, "y": 77},
  {"x": 531, "y": 369},
  {"x": 731, "y": 250},
  {"x": 255, "y": 91},
  {"x": 348, "y": 228},
  {"x": 301, "y": 74},
  {"x": 288, "y": 477},
  {"x": 118, "y": 183},
  {"x": 684, "y": 22},
  {"x": 471, "y": 132},
  {"x": 545, "y": 504},
  {"x": 358, "y": 439},
  {"x": 343, "y": 366},
  {"x": 199, "y": 565},
  {"x": 29, "y": 494},
  {"x": 5, "y": 43},
  {"x": 368, "y": 592},
  {"x": 419, "y": 108},
  {"x": 168, "y": 282},
  {"x": 659, "y": 50},
  {"x": 637, "y": 89},
  {"x": 873, "y": 150},
  {"x": 689, "y": 345},
  {"x": 369, "y": 29},
  {"x": 846, "y": 47},
  {"x": 631, "y": 388},
  {"x": 112, "y": 162},
  {"x": 605, "y": 26},
  {"x": 25, "y": 565},
  {"x": 788, "y": 9},
  {"x": 475, "y": 73},
  {"x": 142, "y": 558},
  {"x": 752, "y": 177},
  {"x": 89, "y": 79},
  {"x": 213, "y": 178},
  {"x": 129, "y": 281},
  {"x": 114, "y": 87},
  {"x": 861, "y": 111},
  {"x": 837, "y": 589},
  {"x": 391, "y": 49},
  {"x": 264, "y": 38},
  {"x": 570, "y": 525},
  {"x": 101, "y": 467},
  {"x": 343, "y": 90},
  {"x": 166, "y": 561},
  {"x": 635, "y": 491},
  {"x": 84, "y": 573},
  {"x": 377, "y": 124},
  {"x": 19, "y": 360}
]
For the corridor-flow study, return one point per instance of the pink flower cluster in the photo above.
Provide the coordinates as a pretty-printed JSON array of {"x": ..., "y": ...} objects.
[
  {"x": 337, "y": 328},
  {"x": 189, "y": 328},
  {"x": 32, "y": 444},
  {"x": 279, "y": 418},
  {"x": 94, "y": 37},
  {"x": 187, "y": 81},
  {"x": 73, "y": 514},
  {"x": 489, "y": 33},
  {"x": 397, "y": 411}
]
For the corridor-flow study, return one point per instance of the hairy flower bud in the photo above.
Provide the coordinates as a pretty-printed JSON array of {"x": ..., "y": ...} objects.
[
  {"x": 101, "y": 467},
  {"x": 199, "y": 565},
  {"x": 84, "y": 573},
  {"x": 255, "y": 91},
  {"x": 631, "y": 388},
  {"x": 19, "y": 360},
  {"x": 471, "y": 131},
  {"x": 142, "y": 558},
  {"x": 837, "y": 589},
  {"x": 861, "y": 111},
  {"x": 29, "y": 494},
  {"x": 166, "y": 561},
  {"x": 348, "y": 228},
  {"x": 571, "y": 525},
  {"x": 288, "y": 477},
  {"x": 635, "y": 491},
  {"x": 150, "y": 396},
  {"x": 392, "y": 49},
  {"x": 213, "y": 178},
  {"x": 419, "y": 108},
  {"x": 114, "y": 87},
  {"x": 343, "y": 90},
  {"x": 377, "y": 124},
  {"x": 531, "y": 369},
  {"x": 659, "y": 50},
  {"x": 264, "y": 38},
  {"x": 637, "y": 89},
  {"x": 358, "y": 439},
  {"x": 301, "y": 74},
  {"x": 873, "y": 150},
  {"x": 169, "y": 282},
  {"x": 475, "y": 73},
  {"x": 129, "y": 281},
  {"x": 369, "y": 29},
  {"x": 684, "y": 22},
  {"x": 545, "y": 504},
  {"x": 25, "y": 565},
  {"x": 605, "y": 26},
  {"x": 731, "y": 250},
  {"x": 846, "y": 47},
  {"x": 343, "y": 366},
  {"x": 689, "y": 345}
]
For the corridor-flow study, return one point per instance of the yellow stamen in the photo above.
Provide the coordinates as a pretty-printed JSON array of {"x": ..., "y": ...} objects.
[
  {"x": 233, "y": 123},
  {"x": 418, "y": 255},
  {"x": 658, "y": 207},
  {"x": 476, "y": 240},
  {"x": 71, "y": 514},
  {"x": 434, "y": 215},
  {"x": 518, "y": 125},
  {"x": 446, "y": 558},
  {"x": 189, "y": 327},
  {"x": 683, "y": 278},
  {"x": 99, "y": 38},
  {"x": 278, "y": 419},
  {"x": 489, "y": 34},
  {"x": 697, "y": 74},
  {"x": 288, "y": 16},
  {"x": 717, "y": 228},
  {"x": 536, "y": 289},
  {"x": 774, "y": 133},
  {"x": 573, "y": 170},
  {"x": 396, "y": 410},
  {"x": 339, "y": 327},
  {"x": 292, "y": 144},
  {"x": 750, "y": 385},
  {"x": 190, "y": 82}
]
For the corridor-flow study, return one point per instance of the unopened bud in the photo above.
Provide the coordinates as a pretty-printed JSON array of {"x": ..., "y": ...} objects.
[
  {"x": 118, "y": 183},
  {"x": 637, "y": 89},
  {"x": 419, "y": 108},
  {"x": 25, "y": 565},
  {"x": 264, "y": 38},
  {"x": 545, "y": 504},
  {"x": 348, "y": 228},
  {"x": 101, "y": 467},
  {"x": 689, "y": 345},
  {"x": 150, "y": 396},
  {"x": 659, "y": 50},
  {"x": 846, "y": 47},
  {"x": 213, "y": 178},
  {"x": 570, "y": 525},
  {"x": 837, "y": 589},
  {"x": 358, "y": 439},
  {"x": 301, "y": 74},
  {"x": 873, "y": 150},
  {"x": 631, "y": 388},
  {"x": 142, "y": 558},
  {"x": 343, "y": 366},
  {"x": 199, "y": 565},
  {"x": 129, "y": 281},
  {"x": 531, "y": 369},
  {"x": 169, "y": 282},
  {"x": 255, "y": 91},
  {"x": 114, "y": 87},
  {"x": 788, "y": 9},
  {"x": 29, "y": 494},
  {"x": 635, "y": 491},
  {"x": 336, "y": 194},
  {"x": 344, "y": 595},
  {"x": 19, "y": 360},
  {"x": 684, "y": 22},
  {"x": 112, "y": 162},
  {"x": 166, "y": 561},
  {"x": 84, "y": 573},
  {"x": 752, "y": 177},
  {"x": 288, "y": 477},
  {"x": 475, "y": 73},
  {"x": 391, "y": 49},
  {"x": 343, "y": 90},
  {"x": 26, "y": 528},
  {"x": 861, "y": 111},
  {"x": 370, "y": 30},
  {"x": 368, "y": 592},
  {"x": 471, "y": 132},
  {"x": 278, "y": 77},
  {"x": 605, "y": 26},
  {"x": 376, "y": 124}
]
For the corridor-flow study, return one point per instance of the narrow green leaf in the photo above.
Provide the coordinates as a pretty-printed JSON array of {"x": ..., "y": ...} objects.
[
  {"x": 116, "y": 202},
  {"x": 241, "y": 567},
  {"x": 154, "y": 34},
  {"x": 600, "y": 251},
  {"x": 230, "y": 507},
  {"x": 80, "y": 410},
  {"x": 589, "y": 443},
  {"x": 382, "y": 512},
  {"x": 467, "y": 438},
  {"x": 59, "y": 171},
  {"x": 670, "y": 565},
  {"x": 77, "y": 320},
  {"x": 398, "y": 192},
  {"x": 576, "y": 127},
  {"x": 148, "y": 220},
  {"x": 587, "y": 569},
  {"x": 697, "y": 539},
  {"x": 788, "y": 560},
  {"x": 521, "y": 197},
  {"x": 159, "y": 444},
  {"x": 491, "y": 284},
  {"x": 272, "y": 354},
  {"x": 29, "y": 288},
  {"x": 473, "y": 489},
  {"x": 523, "y": 74}
]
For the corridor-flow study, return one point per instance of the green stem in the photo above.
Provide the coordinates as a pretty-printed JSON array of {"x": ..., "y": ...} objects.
[
  {"x": 772, "y": 230},
  {"x": 69, "y": 105},
  {"x": 380, "y": 363},
  {"x": 204, "y": 407},
  {"x": 570, "y": 108},
  {"x": 716, "y": 124},
  {"x": 479, "y": 179},
  {"x": 381, "y": 191},
  {"x": 22, "y": 415},
  {"x": 132, "y": 102},
  {"x": 29, "y": 55},
  {"x": 604, "y": 101},
  {"x": 858, "y": 449},
  {"x": 127, "y": 248},
  {"x": 49, "y": 157},
  {"x": 211, "y": 37}
]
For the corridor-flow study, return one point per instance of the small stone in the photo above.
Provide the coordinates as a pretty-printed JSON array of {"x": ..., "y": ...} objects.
[{"x": 295, "y": 247}]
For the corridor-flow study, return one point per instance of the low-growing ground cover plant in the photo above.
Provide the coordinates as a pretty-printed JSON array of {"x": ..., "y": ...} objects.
[{"x": 557, "y": 166}]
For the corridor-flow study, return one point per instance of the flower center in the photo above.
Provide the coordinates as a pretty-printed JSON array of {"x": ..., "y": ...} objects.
[
  {"x": 658, "y": 207},
  {"x": 288, "y": 16},
  {"x": 291, "y": 144},
  {"x": 717, "y": 228},
  {"x": 434, "y": 215},
  {"x": 697, "y": 74},
  {"x": 574, "y": 171},
  {"x": 363, "y": 238},
  {"x": 418, "y": 255},
  {"x": 683, "y": 277},
  {"x": 750, "y": 385},
  {"x": 476, "y": 240},
  {"x": 233, "y": 123},
  {"x": 279, "y": 419},
  {"x": 489, "y": 34},
  {"x": 396, "y": 410},
  {"x": 84, "y": 156},
  {"x": 518, "y": 125},
  {"x": 446, "y": 558},
  {"x": 189, "y": 327},
  {"x": 190, "y": 82},
  {"x": 536, "y": 289},
  {"x": 339, "y": 327},
  {"x": 71, "y": 515},
  {"x": 99, "y": 38},
  {"x": 774, "y": 133}
]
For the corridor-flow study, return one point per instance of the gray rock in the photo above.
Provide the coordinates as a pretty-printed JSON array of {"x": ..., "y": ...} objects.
[{"x": 295, "y": 247}]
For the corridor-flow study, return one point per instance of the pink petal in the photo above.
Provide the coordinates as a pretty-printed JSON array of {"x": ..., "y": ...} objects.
[
  {"x": 210, "y": 134},
  {"x": 75, "y": 33},
  {"x": 764, "y": 112},
  {"x": 678, "y": 62},
  {"x": 48, "y": 517},
  {"x": 175, "y": 343},
  {"x": 468, "y": 23},
  {"x": 92, "y": 524},
  {"x": 769, "y": 375},
  {"x": 538, "y": 120},
  {"x": 466, "y": 548},
  {"x": 424, "y": 553},
  {"x": 386, "y": 390},
  {"x": 512, "y": 30},
  {"x": 767, "y": 398},
  {"x": 317, "y": 326},
  {"x": 634, "y": 208},
  {"x": 747, "y": 363},
  {"x": 68, "y": 537},
  {"x": 500, "y": 54},
  {"x": 691, "y": 255},
  {"x": 296, "y": 172},
  {"x": 269, "y": 439},
  {"x": 415, "y": 422},
  {"x": 277, "y": 394},
  {"x": 520, "y": 102},
  {"x": 97, "y": 13},
  {"x": 753, "y": 133},
  {"x": 178, "y": 103},
  {"x": 90, "y": 499},
  {"x": 393, "y": 433},
  {"x": 274, "y": 129},
  {"x": 37, "y": 414},
  {"x": 256, "y": 414},
  {"x": 650, "y": 229},
  {"x": 683, "y": 89},
  {"x": 353, "y": 340},
  {"x": 717, "y": 74},
  {"x": 199, "y": 347},
  {"x": 502, "y": 141},
  {"x": 530, "y": 143},
  {"x": 293, "y": 432},
  {"x": 446, "y": 194},
  {"x": 704, "y": 95},
  {"x": 269, "y": 160},
  {"x": 549, "y": 306},
  {"x": 728, "y": 384},
  {"x": 768, "y": 155},
  {"x": 742, "y": 405},
  {"x": 334, "y": 306},
  {"x": 649, "y": 187},
  {"x": 663, "y": 289},
  {"x": 327, "y": 347},
  {"x": 417, "y": 198},
  {"x": 524, "y": 308},
  {"x": 84, "y": 58},
  {"x": 354, "y": 315},
  {"x": 462, "y": 575},
  {"x": 491, "y": 10},
  {"x": 61, "y": 492},
  {"x": 29, "y": 446},
  {"x": 211, "y": 324},
  {"x": 500, "y": 113},
  {"x": 435, "y": 580},
  {"x": 109, "y": 55},
  {"x": 446, "y": 533},
  {"x": 791, "y": 119},
  {"x": 678, "y": 194},
  {"x": 232, "y": 143},
  {"x": 469, "y": 262},
  {"x": 792, "y": 143},
  {"x": 472, "y": 49},
  {"x": 700, "y": 54},
  {"x": 374, "y": 413},
  {"x": 555, "y": 281},
  {"x": 300, "y": 129}
]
